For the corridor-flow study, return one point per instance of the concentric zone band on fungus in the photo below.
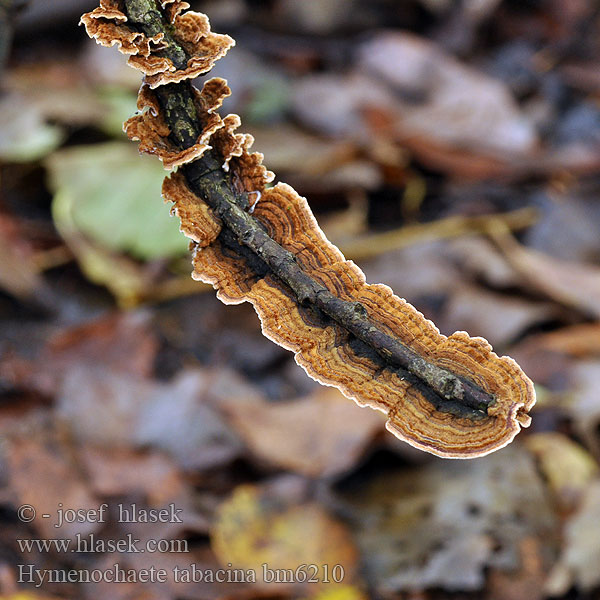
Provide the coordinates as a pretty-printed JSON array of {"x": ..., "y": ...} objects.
[{"x": 450, "y": 396}]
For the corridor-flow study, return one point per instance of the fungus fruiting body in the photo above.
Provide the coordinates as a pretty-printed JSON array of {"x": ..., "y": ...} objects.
[{"x": 450, "y": 396}]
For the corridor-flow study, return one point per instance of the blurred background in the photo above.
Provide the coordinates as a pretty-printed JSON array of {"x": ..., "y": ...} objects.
[{"x": 451, "y": 148}]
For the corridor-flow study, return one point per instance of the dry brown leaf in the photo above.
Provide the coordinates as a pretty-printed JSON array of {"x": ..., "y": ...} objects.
[
  {"x": 580, "y": 341},
  {"x": 479, "y": 256},
  {"x": 496, "y": 317},
  {"x": 121, "y": 341},
  {"x": 569, "y": 220},
  {"x": 570, "y": 283},
  {"x": 59, "y": 92},
  {"x": 121, "y": 472},
  {"x": 451, "y": 105},
  {"x": 41, "y": 474},
  {"x": 419, "y": 270},
  {"x": 328, "y": 436},
  {"x": 546, "y": 367},
  {"x": 291, "y": 148},
  {"x": 146, "y": 480},
  {"x": 18, "y": 271},
  {"x": 459, "y": 106}
]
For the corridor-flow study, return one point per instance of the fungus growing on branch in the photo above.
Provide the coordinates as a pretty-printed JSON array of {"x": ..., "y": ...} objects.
[{"x": 451, "y": 396}]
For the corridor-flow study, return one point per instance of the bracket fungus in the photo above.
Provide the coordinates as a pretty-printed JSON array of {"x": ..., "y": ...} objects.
[{"x": 450, "y": 396}]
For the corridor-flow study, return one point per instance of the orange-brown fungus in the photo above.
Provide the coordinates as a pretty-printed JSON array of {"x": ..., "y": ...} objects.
[
  {"x": 152, "y": 132},
  {"x": 197, "y": 220},
  {"x": 325, "y": 347},
  {"x": 330, "y": 355},
  {"x": 108, "y": 24}
]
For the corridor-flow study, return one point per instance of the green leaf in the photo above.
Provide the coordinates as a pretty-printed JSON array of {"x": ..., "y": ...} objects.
[
  {"x": 120, "y": 105},
  {"x": 24, "y": 135},
  {"x": 113, "y": 196}
]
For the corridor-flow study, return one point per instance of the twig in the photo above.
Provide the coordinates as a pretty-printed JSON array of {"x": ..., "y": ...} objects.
[{"x": 375, "y": 244}]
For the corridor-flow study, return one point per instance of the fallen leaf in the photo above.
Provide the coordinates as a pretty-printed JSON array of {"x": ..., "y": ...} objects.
[
  {"x": 568, "y": 222},
  {"x": 121, "y": 341},
  {"x": 315, "y": 163},
  {"x": 116, "y": 409},
  {"x": 566, "y": 466},
  {"x": 441, "y": 525},
  {"x": 456, "y": 104},
  {"x": 150, "y": 477},
  {"x": 317, "y": 16},
  {"x": 474, "y": 11},
  {"x": 178, "y": 419},
  {"x": 480, "y": 258},
  {"x": 419, "y": 270},
  {"x": 101, "y": 406},
  {"x": 528, "y": 581},
  {"x": 422, "y": 94},
  {"x": 290, "y": 148},
  {"x": 57, "y": 89},
  {"x": 121, "y": 471},
  {"x": 112, "y": 195},
  {"x": 580, "y": 341},
  {"x": 579, "y": 563},
  {"x": 571, "y": 283},
  {"x": 545, "y": 367},
  {"x": 318, "y": 436},
  {"x": 41, "y": 474},
  {"x": 583, "y": 406},
  {"x": 498, "y": 318},
  {"x": 128, "y": 280},
  {"x": 18, "y": 270},
  {"x": 24, "y": 134},
  {"x": 105, "y": 67},
  {"x": 254, "y": 527},
  {"x": 340, "y": 100}
]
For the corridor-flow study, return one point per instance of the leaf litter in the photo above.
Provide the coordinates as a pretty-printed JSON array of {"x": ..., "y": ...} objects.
[{"x": 185, "y": 403}]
